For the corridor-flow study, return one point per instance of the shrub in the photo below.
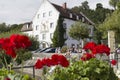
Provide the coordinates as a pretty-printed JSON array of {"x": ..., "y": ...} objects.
[
  {"x": 86, "y": 70},
  {"x": 35, "y": 44},
  {"x": 23, "y": 55},
  {"x": 64, "y": 49}
]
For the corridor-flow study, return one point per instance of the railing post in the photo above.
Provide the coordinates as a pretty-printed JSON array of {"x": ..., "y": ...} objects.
[{"x": 33, "y": 72}]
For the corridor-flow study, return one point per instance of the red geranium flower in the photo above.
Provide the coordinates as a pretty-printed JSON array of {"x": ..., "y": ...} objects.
[
  {"x": 47, "y": 62},
  {"x": 55, "y": 59},
  {"x": 63, "y": 61},
  {"x": 11, "y": 52},
  {"x": 20, "y": 41},
  {"x": 7, "y": 78},
  {"x": 87, "y": 56},
  {"x": 113, "y": 62},
  {"x": 100, "y": 49},
  {"x": 38, "y": 64},
  {"x": 89, "y": 46}
]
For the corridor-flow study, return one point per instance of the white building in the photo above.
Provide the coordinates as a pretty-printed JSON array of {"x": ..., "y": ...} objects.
[{"x": 44, "y": 23}]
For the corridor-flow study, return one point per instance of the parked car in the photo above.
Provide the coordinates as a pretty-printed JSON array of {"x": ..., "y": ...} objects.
[
  {"x": 36, "y": 50},
  {"x": 44, "y": 49},
  {"x": 49, "y": 50}
]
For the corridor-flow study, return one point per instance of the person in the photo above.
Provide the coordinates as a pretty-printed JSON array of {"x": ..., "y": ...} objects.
[
  {"x": 118, "y": 49},
  {"x": 57, "y": 50},
  {"x": 68, "y": 54},
  {"x": 73, "y": 49}
]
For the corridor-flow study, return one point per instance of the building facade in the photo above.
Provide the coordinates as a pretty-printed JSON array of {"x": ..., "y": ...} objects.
[{"x": 44, "y": 23}]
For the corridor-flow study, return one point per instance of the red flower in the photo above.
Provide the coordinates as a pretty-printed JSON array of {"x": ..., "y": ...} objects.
[
  {"x": 89, "y": 46},
  {"x": 7, "y": 78},
  {"x": 38, "y": 64},
  {"x": 47, "y": 62},
  {"x": 20, "y": 41},
  {"x": 16, "y": 41},
  {"x": 11, "y": 52},
  {"x": 100, "y": 49},
  {"x": 113, "y": 62},
  {"x": 87, "y": 56},
  {"x": 63, "y": 61},
  {"x": 55, "y": 59}
]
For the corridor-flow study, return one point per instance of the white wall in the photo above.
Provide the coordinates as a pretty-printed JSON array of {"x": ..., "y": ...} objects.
[
  {"x": 70, "y": 41},
  {"x": 45, "y": 7},
  {"x": 29, "y": 33}
]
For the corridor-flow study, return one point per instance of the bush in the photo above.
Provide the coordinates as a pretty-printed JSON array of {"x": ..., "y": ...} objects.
[
  {"x": 35, "y": 44},
  {"x": 64, "y": 49},
  {"x": 23, "y": 55},
  {"x": 86, "y": 70}
]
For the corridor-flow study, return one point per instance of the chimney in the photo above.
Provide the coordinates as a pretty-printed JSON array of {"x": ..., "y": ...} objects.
[{"x": 64, "y": 5}]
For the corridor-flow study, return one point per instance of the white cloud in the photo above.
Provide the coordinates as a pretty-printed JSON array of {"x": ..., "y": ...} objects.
[{"x": 19, "y": 11}]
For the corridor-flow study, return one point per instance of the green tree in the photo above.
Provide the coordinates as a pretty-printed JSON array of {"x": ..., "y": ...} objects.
[
  {"x": 35, "y": 44},
  {"x": 3, "y": 28},
  {"x": 79, "y": 31},
  {"x": 112, "y": 23},
  {"x": 58, "y": 37},
  {"x": 97, "y": 16},
  {"x": 113, "y": 3},
  {"x": 85, "y": 5}
]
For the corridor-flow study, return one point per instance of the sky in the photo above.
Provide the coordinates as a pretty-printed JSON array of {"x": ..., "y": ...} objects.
[{"x": 21, "y": 11}]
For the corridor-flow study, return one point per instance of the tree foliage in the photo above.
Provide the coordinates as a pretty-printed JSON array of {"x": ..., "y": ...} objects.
[
  {"x": 58, "y": 37},
  {"x": 79, "y": 31},
  {"x": 97, "y": 16},
  {"x": 7, "y": 28},
  {"x": 112, "y": 23},
  {"x": 35, "y": 44},
  {"x": 93, "y": 69},
  {"x": 113, "y": 3}
]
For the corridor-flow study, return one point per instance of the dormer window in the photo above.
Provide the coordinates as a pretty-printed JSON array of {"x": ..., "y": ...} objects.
[
  {"x": 28, "y": 25},
  {"x": 71, "y": 15},
  {"x": 77, "y": 17},
  {"x": 83, "y": 19}
]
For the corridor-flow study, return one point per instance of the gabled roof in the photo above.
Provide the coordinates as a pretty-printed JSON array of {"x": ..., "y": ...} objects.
[
  {"x": 27, "y": 27},
  {"x": 65, "y": 12}
]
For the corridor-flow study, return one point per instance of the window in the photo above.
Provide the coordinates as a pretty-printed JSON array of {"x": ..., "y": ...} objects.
[
  {"x": 38, "y": 16},
  {"x": 43, "y": 36},
  {"x": 65, "y": 36},
  {"x": 51, "y": 25},
  {"x": 37, "y": 27},
  {"x": 28, "y": 25},
  {"x": 71, "y": 15},
  {"x": 64, "y": 25},
  {"x": 51, "y": 35},
  {"x": 77, "y": 17},
  {"x": 83, "y": 19},
  {"x": 50, "y": 13},
  {"x": 36, "y": 36},
  {"x": 44, "y": 14}
]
